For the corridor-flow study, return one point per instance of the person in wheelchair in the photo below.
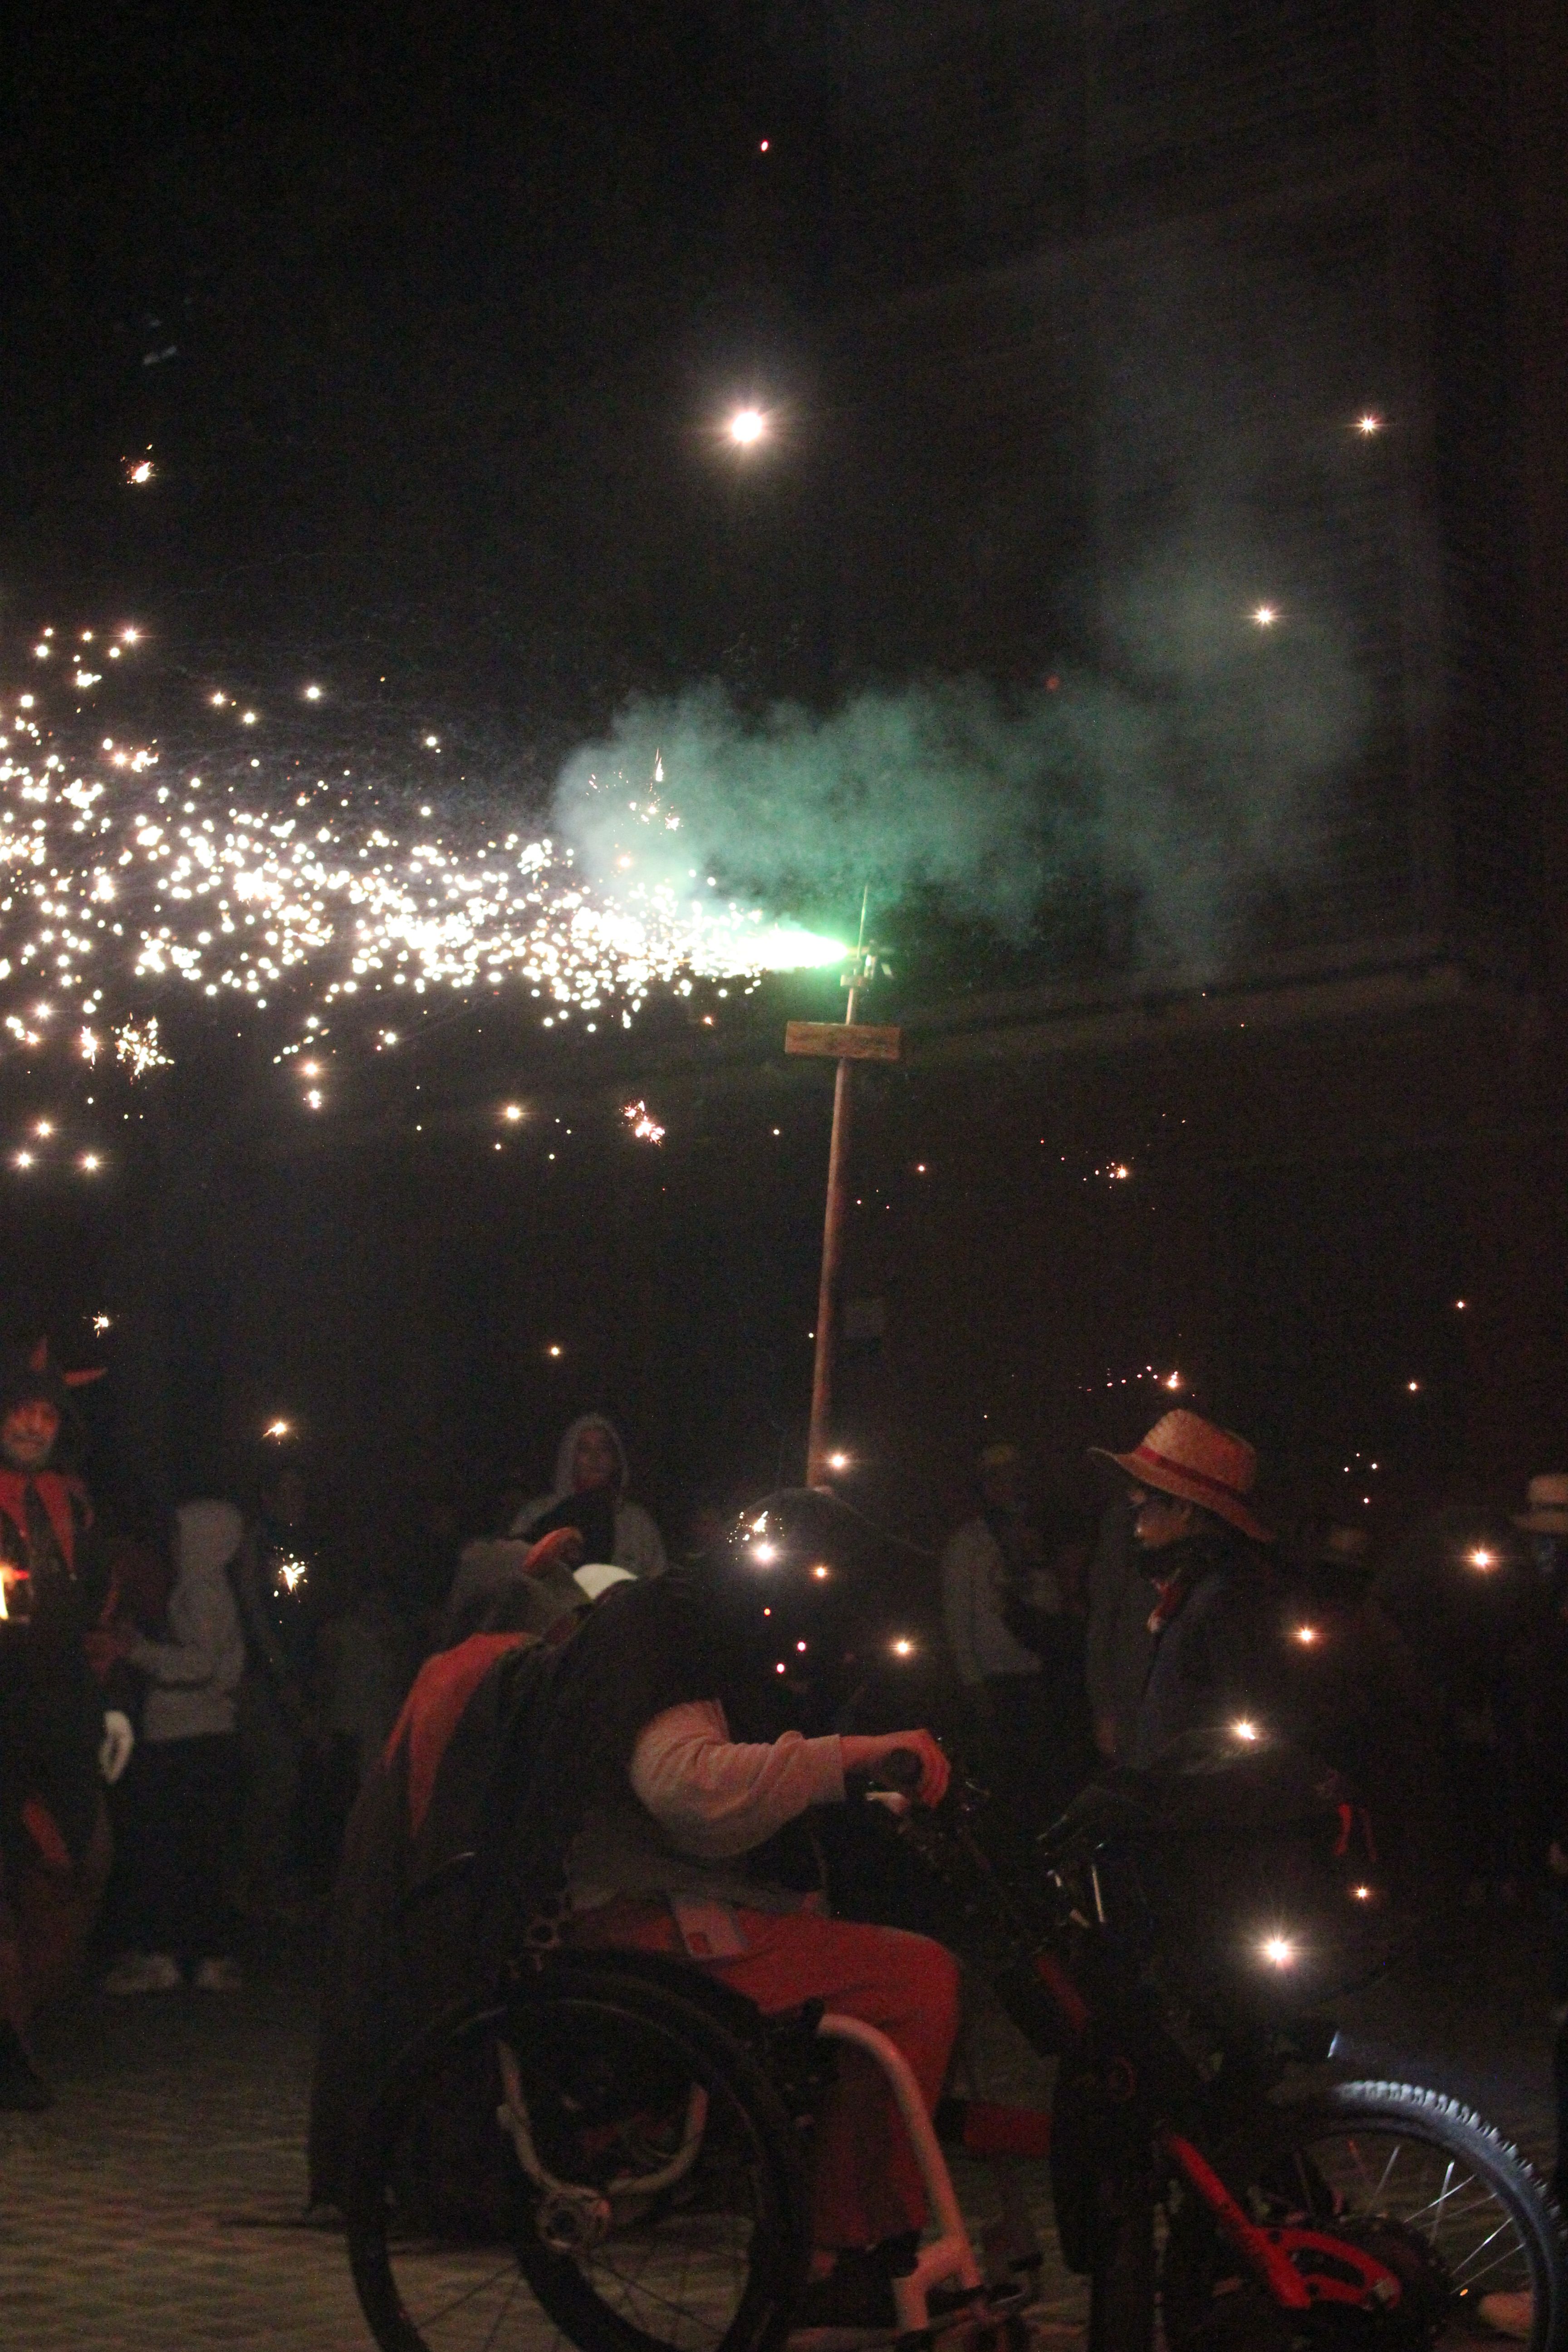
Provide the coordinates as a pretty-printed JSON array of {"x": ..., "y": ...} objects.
[{"x": 689, "y": 1855}]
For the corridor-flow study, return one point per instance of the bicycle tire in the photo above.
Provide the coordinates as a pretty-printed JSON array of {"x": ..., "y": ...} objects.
[
  {"x": 584, "y": 1997},
  {"x": 1534, "y": 2261}
]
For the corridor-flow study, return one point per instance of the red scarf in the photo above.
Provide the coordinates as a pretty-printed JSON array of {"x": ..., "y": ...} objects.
[
  {"x": 58, "y": 1492},
  {"x": 1171, "y": 1593}
]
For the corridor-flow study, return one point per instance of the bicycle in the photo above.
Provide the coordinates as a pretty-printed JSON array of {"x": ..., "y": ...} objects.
[{"x": 614, "y": 2144}]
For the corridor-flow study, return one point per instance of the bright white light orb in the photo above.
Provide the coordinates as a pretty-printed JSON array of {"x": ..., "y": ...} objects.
[{"x": 747, "y": 427}]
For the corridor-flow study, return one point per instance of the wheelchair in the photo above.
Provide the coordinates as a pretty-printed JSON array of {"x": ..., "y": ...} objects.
[{"x": 612, "y": 2151}]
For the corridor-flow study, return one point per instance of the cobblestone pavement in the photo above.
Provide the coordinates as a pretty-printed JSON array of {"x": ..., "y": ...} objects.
[{"x": 155, "y": 2207}]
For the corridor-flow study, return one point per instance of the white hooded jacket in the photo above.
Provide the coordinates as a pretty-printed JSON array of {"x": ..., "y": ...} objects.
[
  {"x": 195, "y": 1673},
  {"x": 640, "y": 1547}
]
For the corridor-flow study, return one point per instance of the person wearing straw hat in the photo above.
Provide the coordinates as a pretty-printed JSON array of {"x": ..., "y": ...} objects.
[{"x": 1190, "y": 1485}]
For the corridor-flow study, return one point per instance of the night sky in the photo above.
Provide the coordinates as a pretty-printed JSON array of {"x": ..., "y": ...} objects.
[
  {"x": 426, "y": 315},
  {"x": 429, "y": 320}
]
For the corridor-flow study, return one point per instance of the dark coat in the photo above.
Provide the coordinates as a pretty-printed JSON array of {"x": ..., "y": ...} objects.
[{"x": 1212, "y": 1661}]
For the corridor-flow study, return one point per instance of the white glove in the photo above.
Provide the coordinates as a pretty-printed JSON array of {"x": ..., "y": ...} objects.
[{"x": 119, "y": 1739}]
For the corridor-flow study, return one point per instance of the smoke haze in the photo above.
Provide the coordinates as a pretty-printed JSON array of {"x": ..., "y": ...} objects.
[{"x": 1191, "y": 777}]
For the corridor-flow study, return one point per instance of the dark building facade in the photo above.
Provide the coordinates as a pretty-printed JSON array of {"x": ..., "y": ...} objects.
[{"x": 1164, "y": 312}]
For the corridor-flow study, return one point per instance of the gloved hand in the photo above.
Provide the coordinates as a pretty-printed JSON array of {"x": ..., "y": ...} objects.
[{"x": 119, "y": 1739}]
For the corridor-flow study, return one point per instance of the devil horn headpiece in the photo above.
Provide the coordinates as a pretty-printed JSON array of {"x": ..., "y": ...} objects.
[{"x": 38, "y": 1362}]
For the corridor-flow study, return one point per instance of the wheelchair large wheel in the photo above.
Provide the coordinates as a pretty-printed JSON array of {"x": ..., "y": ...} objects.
[
  {"x": 1403, "y": 2176},
  {"x": 593, "y": 2160}
]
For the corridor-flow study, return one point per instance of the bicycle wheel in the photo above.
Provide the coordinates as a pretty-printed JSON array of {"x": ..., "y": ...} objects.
[
  {"x": 1411, "y": 2181},
  {"x": 594, "y": 2161}
]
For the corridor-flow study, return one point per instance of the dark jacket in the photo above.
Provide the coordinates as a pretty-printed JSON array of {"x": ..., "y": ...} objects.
[{"x": 1211, "y": 1662}]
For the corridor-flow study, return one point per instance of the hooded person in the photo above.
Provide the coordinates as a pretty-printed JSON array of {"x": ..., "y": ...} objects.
[
  {"x": 589, "y": 1494},
  {"x": 1190, "y": 1485},
  {"x": 180, "y": 1794},
  {"x": 56, "y": 1740}
]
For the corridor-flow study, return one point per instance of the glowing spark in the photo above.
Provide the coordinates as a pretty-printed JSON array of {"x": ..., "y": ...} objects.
[
  {"x": 1278, "y": 1951},
  {"x": 821, "y": 1573},
  {"x": 553, "y": 1350},
  {"x": 278, "y": 1429},
  {"x": 747, "y": 427},
  {"x": 289, "y": 1572},
  {"x": 312, "y": 693},
  {"x": 1481, "y": 1557},
  {"x": 1305, "y": 1635},
  {"x": 902, "y": 1648},
  {"x": 142, "y": 471},
  {"x": 838, "y": 1462},
  {"x": 1361, "y": 1894},
  {"x": 800, "y": 1648},
  {"x": 136, "y": 1044},
  {"x": 641, "y": 1121},
  {"x": 1369, "y": 423},
  {"x": 1245, "y": 1731},
  {"x": 1265, "y": 616},
  {"x": 512, "y": 1113},
  {"x": 44, "y": 1127},
  {"x": 1172, "y": 1380},
  {"x": 313, "y": 1099},
  {"x": 101, "y": 1323},
  {"x": 1414, "y": 1387},
  {"x": 765, "y": 1554},
  {"x": 247, "y": 718},
  {"x": 24, "y": 1160},
  {"x": 90, "y": 1162}
]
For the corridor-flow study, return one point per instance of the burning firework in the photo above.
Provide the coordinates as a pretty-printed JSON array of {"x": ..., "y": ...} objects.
[{"x": 120, "y": 879}]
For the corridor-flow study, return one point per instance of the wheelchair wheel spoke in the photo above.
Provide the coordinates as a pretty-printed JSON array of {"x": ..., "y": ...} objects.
[{"x": 458, "y": 2248}]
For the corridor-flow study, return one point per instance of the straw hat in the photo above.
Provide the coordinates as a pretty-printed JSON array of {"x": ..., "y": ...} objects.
[
  {"x": 1545, "y": 1511},
  {"x": 1189, "y": 1457}
]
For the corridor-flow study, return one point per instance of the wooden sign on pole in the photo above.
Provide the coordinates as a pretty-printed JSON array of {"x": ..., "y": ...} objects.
[{"x": 844, "y": 1040}]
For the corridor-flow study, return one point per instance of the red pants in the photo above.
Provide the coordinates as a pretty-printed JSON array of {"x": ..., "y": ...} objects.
[
  {"x": 46, "y": 1913},
  {"x": 868, "y": 2185}
]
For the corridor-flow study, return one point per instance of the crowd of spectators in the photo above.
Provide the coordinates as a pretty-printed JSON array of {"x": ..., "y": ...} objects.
[{"x": 252, "y": 1670}]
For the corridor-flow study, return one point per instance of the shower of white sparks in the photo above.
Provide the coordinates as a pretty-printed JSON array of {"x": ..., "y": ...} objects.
[
  {"x": 121, "y": 882},
  {"x": 643, "y": 1124}
]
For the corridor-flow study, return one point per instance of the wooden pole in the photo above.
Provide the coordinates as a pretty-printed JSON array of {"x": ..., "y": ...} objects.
[{"x": 816, "y": 1443}]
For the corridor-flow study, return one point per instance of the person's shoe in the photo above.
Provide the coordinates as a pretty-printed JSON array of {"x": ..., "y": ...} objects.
[
  {"x": 144, "y": 1972},
  {"x": 1512, "y": 2315},
  {"x": 22, "y": 2090},
  {"x": 218, "y": 1976},
  {"x": 852, "y": 2307}
]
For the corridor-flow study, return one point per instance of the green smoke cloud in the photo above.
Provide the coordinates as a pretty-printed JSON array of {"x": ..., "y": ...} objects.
[{"x": 1193, "y": 778}]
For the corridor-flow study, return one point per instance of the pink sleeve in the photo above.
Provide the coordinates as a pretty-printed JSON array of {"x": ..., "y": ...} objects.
[{"x": 716, "y": 1797}]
